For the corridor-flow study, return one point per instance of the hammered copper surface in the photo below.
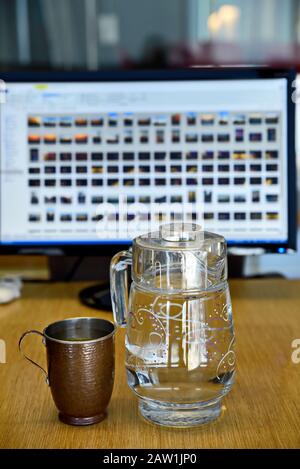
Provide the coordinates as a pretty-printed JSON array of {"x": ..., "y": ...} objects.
[
  {"x": 81, "y": 377},
  {"x": 80, "y": 372}
]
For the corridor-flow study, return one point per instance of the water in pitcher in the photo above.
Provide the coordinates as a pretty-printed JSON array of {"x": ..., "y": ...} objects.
[{"x": 180, "y": 348}]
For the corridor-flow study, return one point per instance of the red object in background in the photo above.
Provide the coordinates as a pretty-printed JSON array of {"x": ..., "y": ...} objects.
[{"x": 214, "y": 53}]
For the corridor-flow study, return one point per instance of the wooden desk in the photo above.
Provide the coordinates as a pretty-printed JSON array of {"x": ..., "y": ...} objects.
[{"x": 262, "y": 411}]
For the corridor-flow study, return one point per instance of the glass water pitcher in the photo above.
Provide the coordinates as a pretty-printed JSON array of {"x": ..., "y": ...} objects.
[{"x": 180, "y": 357}]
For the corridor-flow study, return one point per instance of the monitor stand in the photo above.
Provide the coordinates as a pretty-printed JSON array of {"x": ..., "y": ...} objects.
[
  {"x": 97, "y": 297},
  {"x": 75, "y": 268},
  {"x": 236, "y": 266},
  {"x": 89, "y": 268},
  {"x": 70, "y": 268}
]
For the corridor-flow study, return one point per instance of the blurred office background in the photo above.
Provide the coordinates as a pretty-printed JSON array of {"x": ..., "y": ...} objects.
[
  {"x": 73, "y": 34},
  {"x": 101, "y": 34}
]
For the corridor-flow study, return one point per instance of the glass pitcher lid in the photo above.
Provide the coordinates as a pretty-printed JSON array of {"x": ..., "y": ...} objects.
[{"x": 183, "y": 236}]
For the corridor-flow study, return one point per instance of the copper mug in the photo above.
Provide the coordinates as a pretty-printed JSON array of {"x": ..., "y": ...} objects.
[{"x": 80, "y": 358}]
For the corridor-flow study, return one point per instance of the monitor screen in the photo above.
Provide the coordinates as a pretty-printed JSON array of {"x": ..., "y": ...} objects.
[{"x": 91, "y": 162}]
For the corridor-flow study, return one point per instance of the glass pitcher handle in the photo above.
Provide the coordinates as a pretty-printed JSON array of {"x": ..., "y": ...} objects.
[{"x": 119, "y": 285}]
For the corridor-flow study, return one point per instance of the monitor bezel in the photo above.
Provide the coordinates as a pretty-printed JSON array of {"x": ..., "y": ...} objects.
[{"x": 194, "y": 73}]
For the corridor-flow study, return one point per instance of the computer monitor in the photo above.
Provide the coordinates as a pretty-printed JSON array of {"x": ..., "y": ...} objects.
[{"x": 91, "y": 159}]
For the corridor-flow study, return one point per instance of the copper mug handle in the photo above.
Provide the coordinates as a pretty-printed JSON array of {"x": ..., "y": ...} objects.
[{"x": 29, "y": 359}]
